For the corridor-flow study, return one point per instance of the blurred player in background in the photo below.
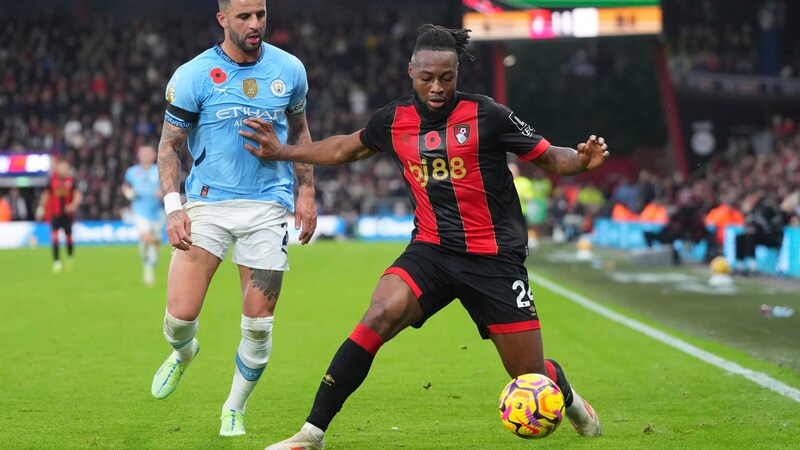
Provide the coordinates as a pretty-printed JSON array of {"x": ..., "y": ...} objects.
[
  {"x": 235, "y": 200},
  {"x": 58, "y": 204},
  {"x": 143, "y": 189},
  {"x": 469, "y": 240}
]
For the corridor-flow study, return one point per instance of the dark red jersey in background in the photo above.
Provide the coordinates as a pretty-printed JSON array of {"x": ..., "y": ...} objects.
[{"x": 61, "y": 193}]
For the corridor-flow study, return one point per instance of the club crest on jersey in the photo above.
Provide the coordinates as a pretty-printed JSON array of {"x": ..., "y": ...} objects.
[
  {"x": 278, "y": 87},
  {"x": 250, "y": 87},
  {"x": 461, "y": 133},
  {"x": 432, "y": 140}
]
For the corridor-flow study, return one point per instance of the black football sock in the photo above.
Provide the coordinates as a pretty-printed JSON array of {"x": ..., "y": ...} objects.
[
  {"x": 70, "y": 246},
  {"x": 555, "y": 373},
  {"x": 348, "y": 369},
  {"x": 55, "y": 251}
]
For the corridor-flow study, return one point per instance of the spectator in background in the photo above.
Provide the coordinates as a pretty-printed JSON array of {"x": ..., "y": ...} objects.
[
  {"x": 17, "y": 204},
  {"x": 627, "y": 194},
  {"x": 527, "y": 198},
  {"x": 723, "y": 215},
  {"x": 591, "y": 201},
  {"x": 5, "y": 210},
  {"x": 763, "y": 225},
  {"x": 685, "y": 223}
]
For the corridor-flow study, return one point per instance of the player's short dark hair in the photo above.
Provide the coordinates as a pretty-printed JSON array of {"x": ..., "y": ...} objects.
[
  {"x": 437, "y": 37},
  {"x": 223, "y": 4}
]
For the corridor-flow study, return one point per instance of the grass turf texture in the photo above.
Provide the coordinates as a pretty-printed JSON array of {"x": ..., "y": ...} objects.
[{"x": 79, "y": 351}]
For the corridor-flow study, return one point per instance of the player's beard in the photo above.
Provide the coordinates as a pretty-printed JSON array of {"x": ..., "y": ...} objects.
[{"x": 240, "y": 41}]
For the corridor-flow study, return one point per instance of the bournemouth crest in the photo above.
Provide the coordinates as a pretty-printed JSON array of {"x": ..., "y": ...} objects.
[
  {"x": 250, "y": 87},
  {"x": 461, "y": 133}
]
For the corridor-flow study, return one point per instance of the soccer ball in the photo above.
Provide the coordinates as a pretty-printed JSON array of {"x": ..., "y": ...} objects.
[
  {"x": 531, "y": 406},
  {"x": 720, "y": 265}
]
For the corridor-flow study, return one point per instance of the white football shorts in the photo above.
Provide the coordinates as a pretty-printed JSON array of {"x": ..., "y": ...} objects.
[
  {"x": 257, "y": 231},
  {"x": 149, "y": 226}
]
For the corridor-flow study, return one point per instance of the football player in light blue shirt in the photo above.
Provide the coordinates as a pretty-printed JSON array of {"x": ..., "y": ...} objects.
[
  {"x": 236, "y": 201},
  {"x": 143, "y": 189}
]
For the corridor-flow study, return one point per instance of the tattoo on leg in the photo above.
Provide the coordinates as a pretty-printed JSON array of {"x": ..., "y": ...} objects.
[{"x": 268, "y": 281}]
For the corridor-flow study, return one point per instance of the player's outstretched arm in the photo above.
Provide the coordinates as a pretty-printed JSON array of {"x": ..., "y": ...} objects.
[
  {"x": 569, "y": 161},
  {"x": 332, "y": 151},
  {"x": 305, "y": 208},
  {"x": 179, "y": 226}
]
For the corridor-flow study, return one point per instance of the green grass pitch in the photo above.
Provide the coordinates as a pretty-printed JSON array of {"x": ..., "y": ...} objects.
[{"x": 78, "y": 351}]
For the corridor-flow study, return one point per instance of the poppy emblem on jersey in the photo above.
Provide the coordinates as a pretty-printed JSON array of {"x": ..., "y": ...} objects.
[
  {"x": 250, "y": 87},
  {"x": 461, "y": 133},
  {"x": 278, "y": 87},
  {"x": 218, "y": 76},
  {"x": 432, "y": 140},
  {"x": 170, "y": 93}
]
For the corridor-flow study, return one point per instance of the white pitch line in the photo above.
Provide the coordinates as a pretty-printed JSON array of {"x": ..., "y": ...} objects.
[{"x": 756, "y": 377}]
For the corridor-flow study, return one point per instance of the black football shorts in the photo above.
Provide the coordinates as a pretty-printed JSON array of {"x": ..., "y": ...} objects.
[
  {"x": 63, "y": 221},
  {"x": 493, "y": 290}
]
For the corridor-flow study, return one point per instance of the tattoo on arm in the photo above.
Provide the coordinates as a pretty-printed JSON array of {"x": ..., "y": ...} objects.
[
  {"x": 304, "y": 174},
  {"x": 299, "y": 134},
  {"x": 173, "y": 139},
  {"x": 268, "y": 282}
]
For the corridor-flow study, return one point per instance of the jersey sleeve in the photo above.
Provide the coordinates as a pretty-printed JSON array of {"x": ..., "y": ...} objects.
[
  {"x": 512, "y": 134},
  {"x": 377, "y": 134},
  {"x": 129, "y": 176},
  {"x": 183, "y": 96},
  {"x": 297, "y": 102}
]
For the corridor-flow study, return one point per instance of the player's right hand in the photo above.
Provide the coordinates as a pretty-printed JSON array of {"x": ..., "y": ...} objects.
[
  {"x": 179, "y": 230},
  {"x": 269, "y": 147}
]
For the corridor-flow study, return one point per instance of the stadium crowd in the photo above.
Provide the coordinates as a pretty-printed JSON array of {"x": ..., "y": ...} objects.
[
  {"x": 734, "y": 37},
  {"x": 91, "y": 90}
]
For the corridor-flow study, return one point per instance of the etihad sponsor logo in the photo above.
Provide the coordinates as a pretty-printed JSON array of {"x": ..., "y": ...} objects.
[{"x": 236, "y": 112}]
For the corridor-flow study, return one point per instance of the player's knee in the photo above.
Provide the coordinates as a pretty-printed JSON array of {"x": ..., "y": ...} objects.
[
  {"x": 383, "y": 314},
  {"x": 256, "y": 342}
]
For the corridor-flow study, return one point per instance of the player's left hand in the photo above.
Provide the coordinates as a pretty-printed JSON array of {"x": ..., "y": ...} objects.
[
  {"x": 269, "y": 147},
  {"x": 305, "y": 215},
  {"x": 593, "y": 153}
]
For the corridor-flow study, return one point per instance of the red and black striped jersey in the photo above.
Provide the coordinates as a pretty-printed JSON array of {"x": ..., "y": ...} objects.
[
  {"x": 454, "y": 165},
  {"x": 62, "y": 191}
]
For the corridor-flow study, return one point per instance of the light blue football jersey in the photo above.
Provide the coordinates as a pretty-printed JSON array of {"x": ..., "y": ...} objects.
[
  {"x": 145, "y": 185},
  {"x": 212, "y": 94}
]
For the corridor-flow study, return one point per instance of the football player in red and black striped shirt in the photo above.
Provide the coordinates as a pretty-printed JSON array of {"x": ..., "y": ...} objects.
[
  {"x": 58, "y": 203},
  {"x": 469, "y": 240}
]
